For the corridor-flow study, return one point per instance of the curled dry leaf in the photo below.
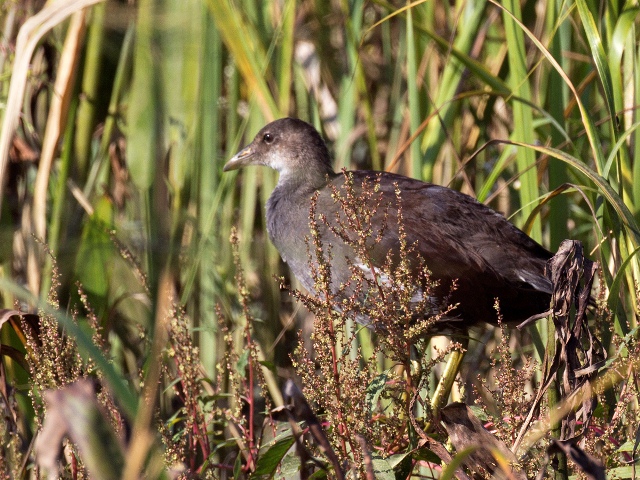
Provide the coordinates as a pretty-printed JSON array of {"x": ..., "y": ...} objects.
[
  {"x": 489, "y": 453},
  {"x": 578, "y": 354},
  {"x": 74, "y": 412},
  {"x": 590, "y": 466}
]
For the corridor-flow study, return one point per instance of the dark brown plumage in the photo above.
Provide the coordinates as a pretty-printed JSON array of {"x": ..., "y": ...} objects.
[{"x": 458, "y": 238}]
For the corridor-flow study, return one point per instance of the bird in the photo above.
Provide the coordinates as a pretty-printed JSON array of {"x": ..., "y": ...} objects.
[{"x": 474, "y": 254}]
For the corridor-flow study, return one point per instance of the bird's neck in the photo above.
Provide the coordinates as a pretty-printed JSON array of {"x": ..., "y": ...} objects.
[{"x": 304, "y": 181}]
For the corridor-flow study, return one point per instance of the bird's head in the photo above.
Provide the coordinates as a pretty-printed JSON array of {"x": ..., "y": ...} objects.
[{"x": 292, "y": 147}]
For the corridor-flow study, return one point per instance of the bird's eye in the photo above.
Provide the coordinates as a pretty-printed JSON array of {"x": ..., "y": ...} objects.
[{"x": 267, "y": 138}]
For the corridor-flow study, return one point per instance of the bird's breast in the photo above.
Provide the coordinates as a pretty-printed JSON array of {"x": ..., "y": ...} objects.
[{"x": 288, "y": 229}]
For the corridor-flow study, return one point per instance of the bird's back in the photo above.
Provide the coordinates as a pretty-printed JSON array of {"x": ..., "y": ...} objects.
[{"x": 458, "y": 238}]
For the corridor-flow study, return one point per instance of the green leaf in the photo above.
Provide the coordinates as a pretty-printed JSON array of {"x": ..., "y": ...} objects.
[
  {"x": 589, "y": 124},
  {"x": 243, "y": 42},
  {"x": 626, "y": 447},
  {"x": 479, "y": 412},
  {"x": 412, "y": 96},
  {"x": 142, "y": 120},
  {"x": 268, "y": 461},
  {"x": 243, "y": 361},
  {"x": 180, "y": 44},
  {"x": 445, "y": 102},
  {"x": 450, "y": 471},
  {"x": 94, "y": 260},
  {"x": 614, "y": 287},
  {"x": 621, "y": 209},
  {"x": 622, "y": 473},
  {"x": 522, "y": 113},
  {"x": 319, "y": 474},
  {"x": 426, "y": 455},
  {"x": 271, "y": 366},
  {"x": 289, "y": 467},
  {"x": 374, "y": 389},
  {"x": 382, "y": 468},
  {"x": 237, "y": 467},
  {"x": 597, "y": 52},
  {"x": 624, "y": 27}
]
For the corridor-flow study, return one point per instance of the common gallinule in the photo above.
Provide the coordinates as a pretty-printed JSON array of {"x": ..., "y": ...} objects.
[{"x": 459, "y": 238}]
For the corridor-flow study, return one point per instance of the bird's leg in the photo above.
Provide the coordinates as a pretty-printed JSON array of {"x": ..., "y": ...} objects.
[{"x": 451, "y": 368}]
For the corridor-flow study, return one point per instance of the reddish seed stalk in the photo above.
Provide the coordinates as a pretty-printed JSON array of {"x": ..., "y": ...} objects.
[
  {"x": 198, "y": 437},
  {"x": 74, "y": 466},
  {"x": 220, "y": 466},
  {"x": 342, "y": 425},
  {"x": 250, "y": 463},
  {"x": 326, "y": 286},
  {"x": 410, "y": 388},
  {"x": 252, "y": 453},
  {"x": 359, "y": 245}
]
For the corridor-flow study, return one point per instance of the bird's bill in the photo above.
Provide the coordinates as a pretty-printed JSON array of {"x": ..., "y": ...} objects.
[{"x": 240, "y": 159}]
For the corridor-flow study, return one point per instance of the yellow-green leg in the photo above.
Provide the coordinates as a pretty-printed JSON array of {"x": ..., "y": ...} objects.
[{"x": 451, "y": 368}]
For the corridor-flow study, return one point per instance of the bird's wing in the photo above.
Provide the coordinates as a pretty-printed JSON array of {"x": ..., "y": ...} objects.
[{"x": 456, "y": 236}]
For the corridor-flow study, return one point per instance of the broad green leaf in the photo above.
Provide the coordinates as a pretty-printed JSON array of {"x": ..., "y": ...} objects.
[
  {"x": 143, "y": 113},
  {"x": 601, "y": 183},
  {"x": 243, "y": 361},
  {"x": 522, "y": 114},
  {"x": 445, "y": 105},
  {"x": 598, "y": 54},
  {"x": 374, "y": 389},
  {"x": 96, "y": 251},
  {"x": 269, "y": 460},
  {"x": 624, "y": 27},
  {"x": 289, "y": 467},
  {"x": 590, "y": 127},
  {"x": 382, "y": 469}
]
